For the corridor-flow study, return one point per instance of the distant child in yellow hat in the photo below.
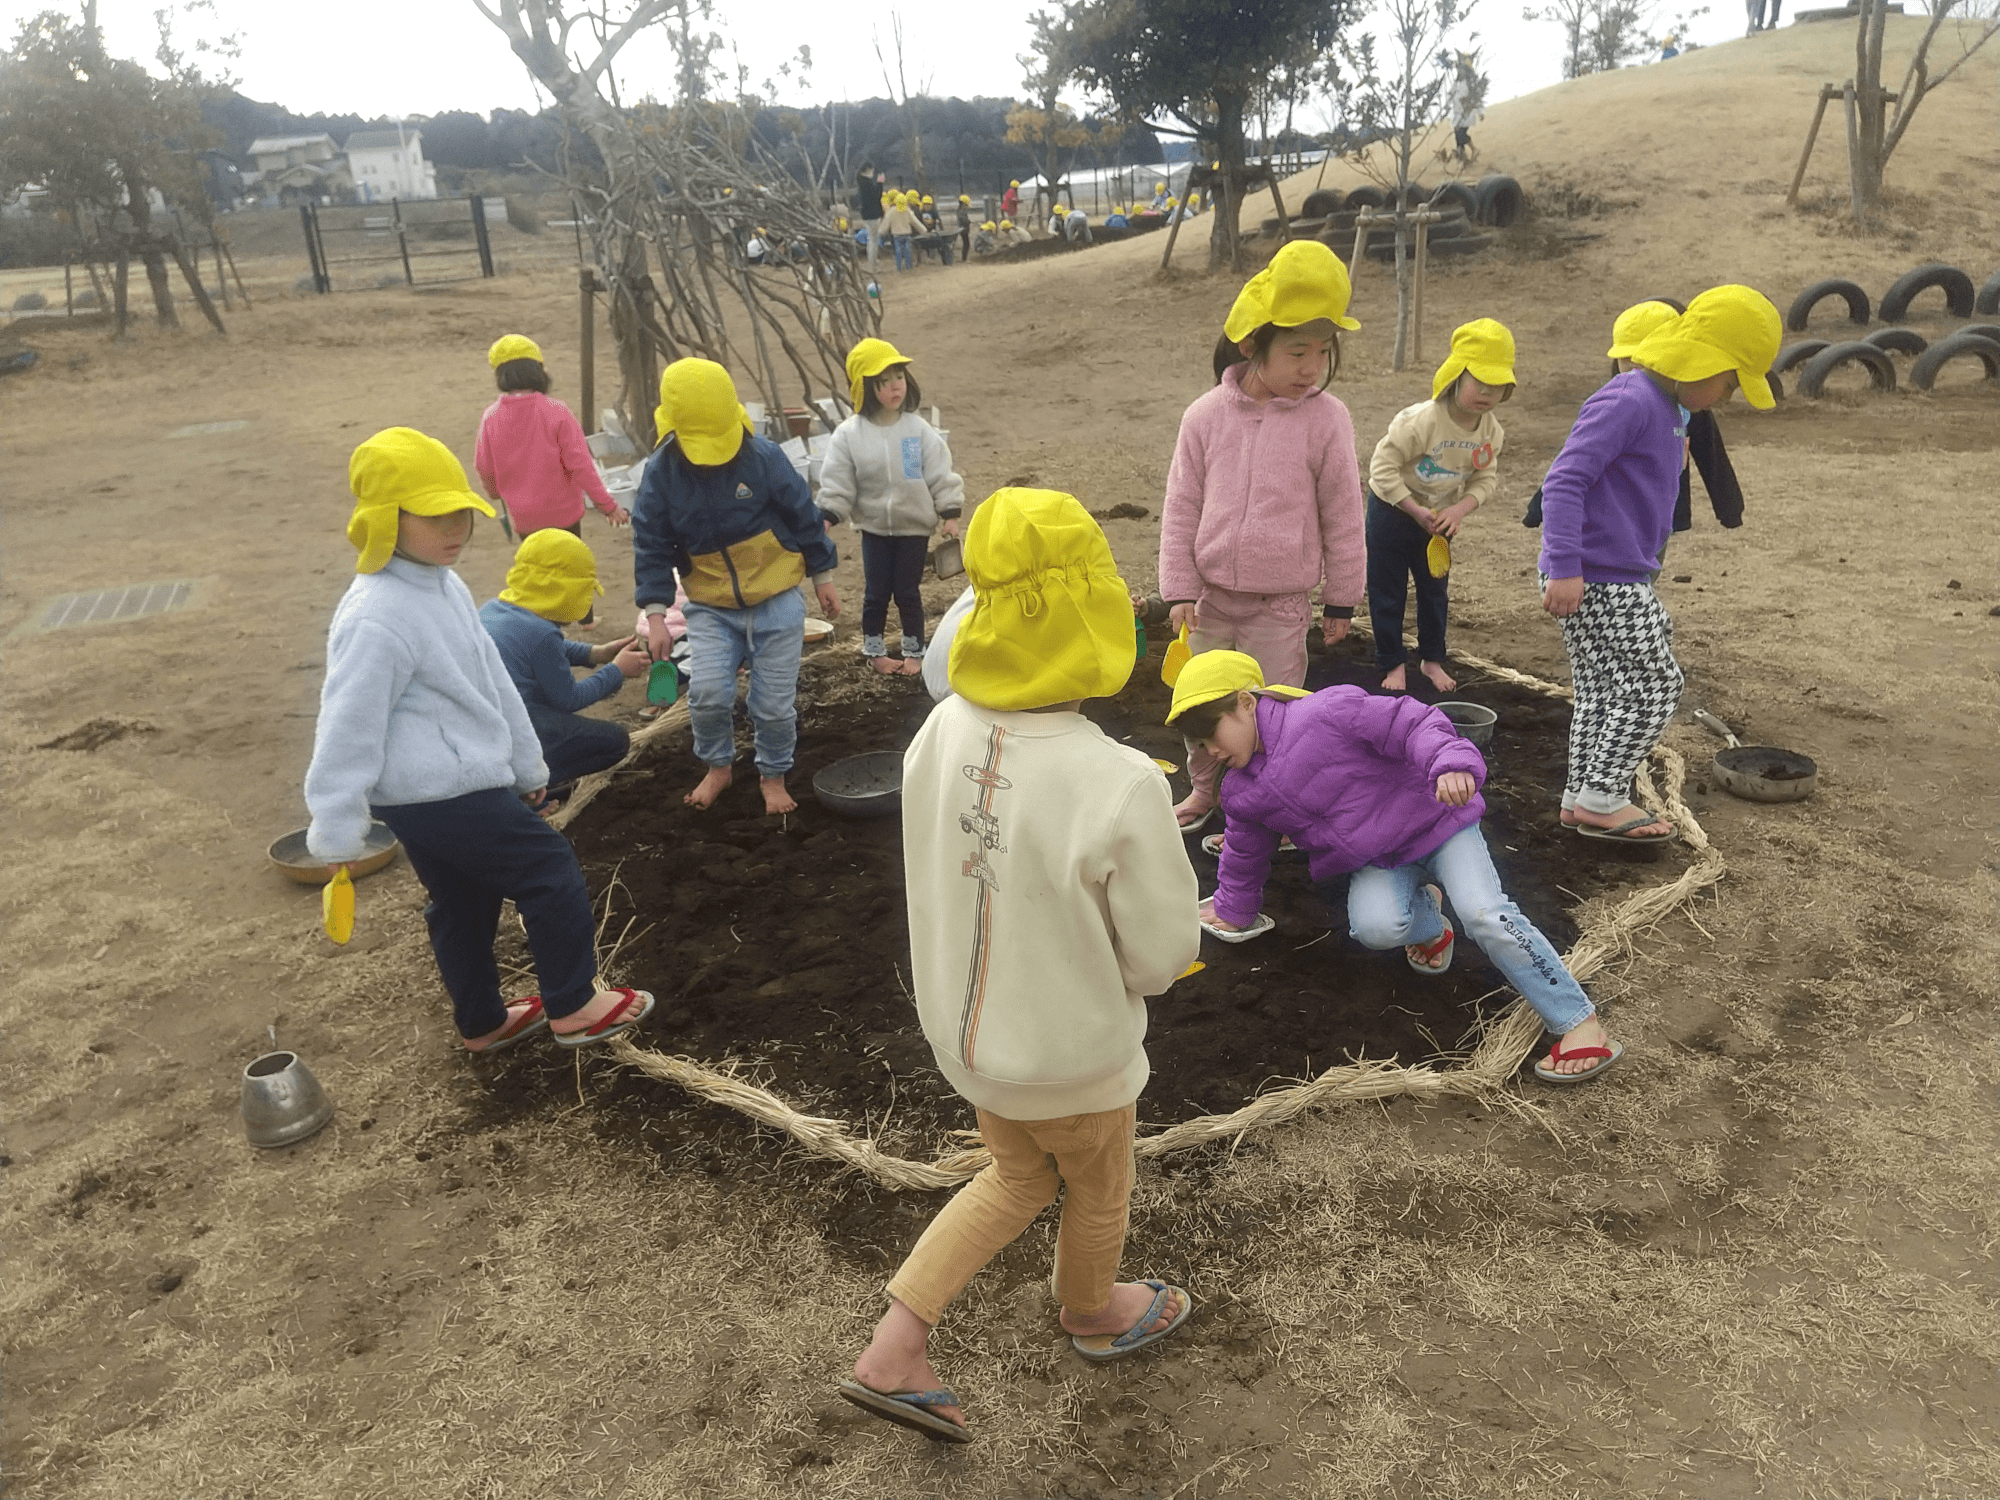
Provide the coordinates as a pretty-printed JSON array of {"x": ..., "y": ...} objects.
[
  {"x": 1608, "y": 509},
  {"x": 1263, "y": 501},
  {"x": 1043, "y": 861},
  {"x": 725, "y": 511},
  {"x": 552, "y": 584},
  {"x": 531, "y": 454},
  {"x": 889, "y": 472},
  {"x": 1433, "y": 468},
  {"x": 421, "y": 727},
  {"x": 902, "y": 226}
]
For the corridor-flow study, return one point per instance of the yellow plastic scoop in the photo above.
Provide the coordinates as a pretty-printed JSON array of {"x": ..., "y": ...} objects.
[
  {"x": 1165, "y": 765},
  {"x": 336, "y": 907},
  {"x": 1178, "y": 655},
  {"x": 1437, "y": 556},
  {"x": 1194, "y": 968}
]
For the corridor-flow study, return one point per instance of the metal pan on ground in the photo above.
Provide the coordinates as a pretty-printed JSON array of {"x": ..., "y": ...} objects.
[
  {"x": 818, "y": 630},
  {"x": 1758, "y": 773},
  {"x": 948, "y": 558},
  {"x": 862, "y": 786},
  {"x": 1473, "y": 721},
  {"x": 290, "y": 855}
]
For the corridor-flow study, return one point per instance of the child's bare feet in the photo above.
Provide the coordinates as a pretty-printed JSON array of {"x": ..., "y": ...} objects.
[
  {"x": 1590, "y": 1034},
  {"x": 710, "y": 787},
  {"x": 1395, "y": 682},
  {"x": 776, "y": 798},
  {"x": 888, "y": 666},
  {"x": 896, "y": 1360},
  {"x": 912, "y": 666},
  {"x": 1442, "y": 680},
  {"x": 1128, "y": 1304}
]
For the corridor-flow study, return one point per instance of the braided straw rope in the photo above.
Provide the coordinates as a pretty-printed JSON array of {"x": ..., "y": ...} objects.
[{"x": 1504, "y": 1044}]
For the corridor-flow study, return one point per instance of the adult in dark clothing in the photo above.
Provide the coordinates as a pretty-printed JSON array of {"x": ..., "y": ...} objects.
[{"x": 868, "y": 206}]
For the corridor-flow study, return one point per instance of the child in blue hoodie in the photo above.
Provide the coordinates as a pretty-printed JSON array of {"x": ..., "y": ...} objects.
[{"x": 726, "y": 511}]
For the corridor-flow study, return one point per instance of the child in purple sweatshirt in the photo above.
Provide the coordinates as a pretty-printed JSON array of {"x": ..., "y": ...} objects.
[
  {"x": 1607, "y": 511},
  {"x": 1385, "y": 789}
]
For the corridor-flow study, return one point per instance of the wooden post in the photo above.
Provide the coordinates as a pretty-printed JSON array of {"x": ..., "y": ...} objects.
[
  {"x": 1417, "y": 290},
  {"x": 221, "y": 280},
  {"x": 586, "y": 282},
  {"x": 1173, "y": 229},
  {"x": 1361, "y": 228},
  {"x": 121, "y": 285},
  {"x": 69, "y": 304},
  {"x": 192, "y": 274},
  {"x": 1853, "y": 148},
  {"x": 241, "y": 290},
  {"x": 1827, "y": 94},
  {"x": 402, "y": 241},
  {"x": 1278, "y": 202}
]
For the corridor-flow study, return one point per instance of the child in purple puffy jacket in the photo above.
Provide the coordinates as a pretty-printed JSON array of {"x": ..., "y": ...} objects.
[{"x": 1383, "y": 788}]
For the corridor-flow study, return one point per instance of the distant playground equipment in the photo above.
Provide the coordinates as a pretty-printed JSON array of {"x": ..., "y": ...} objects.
[{"x": 1816, "y": 359}]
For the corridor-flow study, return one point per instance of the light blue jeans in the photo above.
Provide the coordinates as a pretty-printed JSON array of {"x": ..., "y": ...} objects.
[
  {"x": 1388, "y": 909},
  {"x": 771, "y": 637}
]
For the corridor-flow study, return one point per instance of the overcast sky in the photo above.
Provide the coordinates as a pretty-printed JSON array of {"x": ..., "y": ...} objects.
[{"x": 390, "y": 57}]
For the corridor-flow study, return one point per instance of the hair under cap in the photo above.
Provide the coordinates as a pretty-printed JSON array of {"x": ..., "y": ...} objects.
[
  {"x": 1304, "y": 283},
  {"x": 865, "y": 361},
  {"x": 1221, "y": 674}
]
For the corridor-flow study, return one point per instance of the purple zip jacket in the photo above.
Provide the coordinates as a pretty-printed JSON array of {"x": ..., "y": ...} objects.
[
  {"x": 1352, "y": 778},
  {"x": 1608, "y": 500}
]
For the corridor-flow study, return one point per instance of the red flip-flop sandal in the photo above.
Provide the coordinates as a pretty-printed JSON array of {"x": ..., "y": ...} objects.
[
  {"x": 1547, "y": 1074},
  {"x": 530, "y": 1020},
  {"x": 632, "y": 1008}
]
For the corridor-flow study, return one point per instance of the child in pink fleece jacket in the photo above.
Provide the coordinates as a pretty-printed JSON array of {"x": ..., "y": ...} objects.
[
  {"x": 531, "y": 454},
  {"x": 1263, "y": 500}
]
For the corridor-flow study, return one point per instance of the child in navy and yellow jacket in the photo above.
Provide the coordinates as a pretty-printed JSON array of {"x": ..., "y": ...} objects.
[{"x": 726, "y": 511}]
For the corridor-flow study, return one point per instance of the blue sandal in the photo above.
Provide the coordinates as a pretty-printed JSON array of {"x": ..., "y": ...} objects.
[
  {"x": 1100, "y": 1347},
  {"x": 906, "y": 1409}
]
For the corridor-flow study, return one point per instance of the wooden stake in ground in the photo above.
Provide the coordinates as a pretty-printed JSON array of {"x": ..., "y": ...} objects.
[{"x": 1827, "y": 94}]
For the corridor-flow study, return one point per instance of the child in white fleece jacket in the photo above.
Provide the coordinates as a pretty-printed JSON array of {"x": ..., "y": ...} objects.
[{"x": 1049, "y": 895}]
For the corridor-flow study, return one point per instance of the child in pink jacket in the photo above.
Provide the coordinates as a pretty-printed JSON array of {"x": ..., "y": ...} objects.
[
  {"x": 531, "y": 453},
  {"x": 1263, "y": 500}
]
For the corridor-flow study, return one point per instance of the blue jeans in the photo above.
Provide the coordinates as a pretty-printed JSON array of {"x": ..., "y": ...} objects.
[
  {"x": 905, "y": 259},
  {"x": 1385, "y": 909},
  {"x": 771, "y": 637},
  {"x": 575, "y": 746},
  {"x": 472, "y": 853},
  {"x": 1396, "y": 548}
]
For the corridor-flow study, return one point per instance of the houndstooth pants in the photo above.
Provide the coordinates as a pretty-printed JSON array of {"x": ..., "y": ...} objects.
[{"x": 1621, "y": 657}]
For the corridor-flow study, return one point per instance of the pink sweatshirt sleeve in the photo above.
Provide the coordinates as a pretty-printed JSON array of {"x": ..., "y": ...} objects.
[
  {"x": 482, "y": 454},
  {"x": 1343, "y": 544},
  {"x": 1180, "y": 513},
  {"x": 577, "y": 462}
]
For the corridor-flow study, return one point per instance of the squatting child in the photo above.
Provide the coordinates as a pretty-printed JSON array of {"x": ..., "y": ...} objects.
[
  {"x": 1383, "y": 788},
  {"x": 889, "y": 472},
  {"x": 1433, "y": 468},
  {"x": 1048, "y": 896},
  {"x": 727, "y": 512},
  {"x": 420, "y": 727}
]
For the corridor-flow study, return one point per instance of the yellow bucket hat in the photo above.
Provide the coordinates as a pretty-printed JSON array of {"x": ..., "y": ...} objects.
[
  {"x": 510, "y": 346},
  {"x": 1483, "y": 349},
  {"x": 1220, "y": 674},
  {"x": 554, "y": 576},
  {"x": 1304, "y": 282},
  {"x": 866, "y": 360},
  {"x": 698, "y": 403},
  {"x": 400, "y": 469},
  {"x": 1051, "y": 618},
  {"x": 1725, "y": 328},
  {"x": 1637, "y": 324}
]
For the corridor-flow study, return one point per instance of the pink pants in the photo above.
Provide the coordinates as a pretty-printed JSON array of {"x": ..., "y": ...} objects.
[{"x": 1270, "y": 627}]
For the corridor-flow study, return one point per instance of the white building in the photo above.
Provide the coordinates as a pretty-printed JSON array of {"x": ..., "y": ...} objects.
[
  {"x": 390, "y": 164},
  {"x": 290, "y": 167}
]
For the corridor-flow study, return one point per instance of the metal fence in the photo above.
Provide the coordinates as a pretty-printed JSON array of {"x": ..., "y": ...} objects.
[{"x": 417, "y": 243}]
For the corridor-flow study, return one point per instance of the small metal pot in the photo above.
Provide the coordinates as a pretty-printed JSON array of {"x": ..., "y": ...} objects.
[
  {"x": 948, "y": 558},
  {"x": 282, "y": 1101},
  {"x": 862, "y": 786},
  {"x": 1758, "y": 773},
  {"x": 1473, "y": 721}
]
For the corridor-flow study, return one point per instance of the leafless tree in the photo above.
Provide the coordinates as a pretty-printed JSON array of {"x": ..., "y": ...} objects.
[{"x": 1874, "y": 128}]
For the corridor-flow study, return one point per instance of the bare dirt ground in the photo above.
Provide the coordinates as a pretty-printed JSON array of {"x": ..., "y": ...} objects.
[{"x": 1755, "y": 1260}]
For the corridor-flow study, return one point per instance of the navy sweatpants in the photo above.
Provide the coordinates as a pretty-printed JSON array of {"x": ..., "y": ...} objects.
[{"x": 1396, "y": 555}]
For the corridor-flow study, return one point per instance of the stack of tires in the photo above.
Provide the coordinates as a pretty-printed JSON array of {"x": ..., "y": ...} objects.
[
  {"x": 1495, "y": 202},
  {"x": 1816, "y": 359}
]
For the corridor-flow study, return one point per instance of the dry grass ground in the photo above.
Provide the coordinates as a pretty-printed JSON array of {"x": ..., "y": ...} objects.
[{"x": 1757, "y": 1260}]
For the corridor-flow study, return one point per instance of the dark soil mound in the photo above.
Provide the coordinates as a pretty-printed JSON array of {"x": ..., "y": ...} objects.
[{"x": 782, "y": 944}]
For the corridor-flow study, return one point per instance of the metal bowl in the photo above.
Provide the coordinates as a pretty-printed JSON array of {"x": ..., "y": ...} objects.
[
  {"x": 1473, "y": 721},
  {"x": 1764, "y": 773},
  {"x": 282, "y": 1101},
  {"x": 862, "y": 786},
  {"x": 295, "y": 862}
]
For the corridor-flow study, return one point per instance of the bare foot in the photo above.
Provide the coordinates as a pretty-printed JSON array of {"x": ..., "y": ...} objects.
[
  {"x": 1128, "y": 1304},
  {"x": 888, "y": 666},
  {"x": 1657, "y": 828},
  {"x": 1191, "y": 811},
  {"x": 913, "y": 666},
  {"x": 517, "y": 1012},
  {"x": 1442, "y": 680},
  {"x": 896, "y": 1359},
  {"x": 1395, "y": 682},
  {"x": 776, "y": 798},
  {"x": 710, "y": 787},
  {"x": 1590, "y": 1034}
]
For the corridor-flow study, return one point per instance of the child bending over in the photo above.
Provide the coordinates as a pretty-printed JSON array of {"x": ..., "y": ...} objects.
[
  {"x": 1049, "y": 895},
  {"x": 1383, "y": 788}
]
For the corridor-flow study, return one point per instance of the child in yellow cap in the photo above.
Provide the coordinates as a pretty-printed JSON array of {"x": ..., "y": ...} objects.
[
  {"x": 1042, "y": 860},
  {"x": 889, "y": 472},
  {"x": 963, "y": 210},
  {"x": 1263, "y": 501},
  {"x": 420, "y": 726},
  {"x": 531, "y": 455},
  {"x": 902, "y": 227},
  {"x": 725, "y": 512},
  {"x": 1384, "y": 791},
  {"x": 552, "y": 584},
  {"x": 1433, "y": 468},
  {"x": 1608, "y": 509}
]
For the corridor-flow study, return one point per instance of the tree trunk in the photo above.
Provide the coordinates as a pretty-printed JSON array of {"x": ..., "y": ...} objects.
[
  {"x": 1405, "y": 144},
  {"x": 1224, "y": 240},
  {"x": 1869, "y": 126}
]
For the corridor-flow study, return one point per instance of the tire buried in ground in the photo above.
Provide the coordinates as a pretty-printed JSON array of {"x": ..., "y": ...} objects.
[
  {"x": 1881, "y": 369},
  {"x": 1924, "y": 373},
  {"x": 1364, "y": 197},
  {"x": 1500, "y": 200},
  {"x": 1954, "y": 283},
  {"x": 1802, "y": 305},
  {"x": 1987, "y": 303},
  {"x": 1321, "y": 203},
  {"x": 1898, "y": 340},
  {"x": 1458, "y": 195},
  {"x": 1797, "y": 354}
]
